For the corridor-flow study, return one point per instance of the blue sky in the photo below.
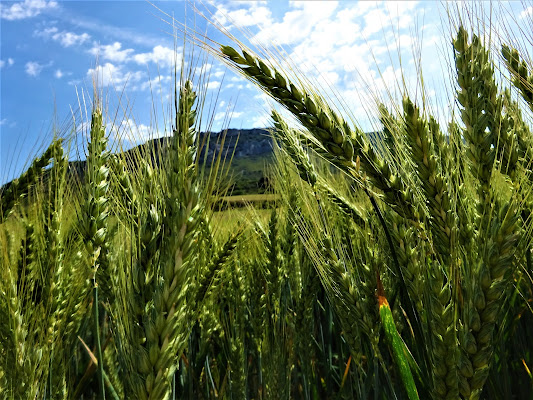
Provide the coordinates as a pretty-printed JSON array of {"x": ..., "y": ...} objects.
[{"x": 51, "y": 50}]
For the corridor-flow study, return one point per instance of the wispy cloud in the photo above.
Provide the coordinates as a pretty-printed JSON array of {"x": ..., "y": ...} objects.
[
  {"x": 25, "y": 9},
  {"x": 66, "y": 39},
  {"x": 102, "y": 29},
  {"x": 58, "y": 74}
]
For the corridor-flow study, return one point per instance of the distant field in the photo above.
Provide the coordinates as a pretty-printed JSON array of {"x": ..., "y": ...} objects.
[
  {"x": 251, "y": 198},
  {"x": 238, "y": 211},
  {"x": 248, "y": 174},
  {"x": 244, "y": 200},
  {"x": 228, "y": 221}
]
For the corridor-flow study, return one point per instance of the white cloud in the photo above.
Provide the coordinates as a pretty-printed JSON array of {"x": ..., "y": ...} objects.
[
  {"x": 7, "y": 123},
  {"x": 297, "y": 23},
  {"x": 160, "y": 55},
  {"x": 112, "y": 75},
  {"x": 225, "y": 114},
  {"x": 112, "y": 52},
  {"x": 375, "y": 21},
  {"x": 25, "y": 9},
  {"x": 83, "y": 128},
  {"x": 261, "y": 121},
  {"x": 33, "y": 68},
  {"x": 213, "y": 85},
  {"x": 330, "y": 77},
  {"x": 74, "y": 82},
  {"x": 528, "y": 12},
  {"x": 59, "y": 74},
  {"x": 132, "y": 132},
  {"x": 8, "y": 63},
  {"x": 142, "y": 133},
  {"x": 69, "y": 39},
  {"x": 157, "y": 85},
  {"x": 255, "y": 15},
  {"x": 203, "y": 69},
  {"x": 66, "y": 39}
]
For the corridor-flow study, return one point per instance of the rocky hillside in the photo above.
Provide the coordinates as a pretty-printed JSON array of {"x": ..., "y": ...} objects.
[{"x": 251, "y": 149}]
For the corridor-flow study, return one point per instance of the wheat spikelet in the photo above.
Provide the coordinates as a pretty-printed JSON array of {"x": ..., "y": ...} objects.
[
  {"x": 94, "y": 225},
  {"x": 522, "y": 77},
  {"x": 433, "y": 182},
  {"x": 216, "y": 263},
  {"x": 168, "y": 325},
  {"x": 19, "y": 188},
  {"x": 481, "y": 110},
  {"x": 489, "y": 295}
]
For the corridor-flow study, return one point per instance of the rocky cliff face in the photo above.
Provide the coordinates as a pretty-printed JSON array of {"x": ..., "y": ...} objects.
[
  {"x": 246, "y": 142},
  {"x": 255, "y": 142}
]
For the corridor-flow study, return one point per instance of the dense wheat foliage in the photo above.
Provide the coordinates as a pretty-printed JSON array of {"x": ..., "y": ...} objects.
[{"x": 396, "y": 265}]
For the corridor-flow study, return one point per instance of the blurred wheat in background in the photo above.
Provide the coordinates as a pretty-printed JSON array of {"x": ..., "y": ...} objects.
[{"x": 390, "y": 265}]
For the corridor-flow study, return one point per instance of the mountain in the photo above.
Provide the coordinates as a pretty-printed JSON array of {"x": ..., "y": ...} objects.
[{"x": 251, "y": 150}]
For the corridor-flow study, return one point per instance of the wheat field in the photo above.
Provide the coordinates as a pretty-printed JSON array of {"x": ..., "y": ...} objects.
[{"x": 392, "y": 268}]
